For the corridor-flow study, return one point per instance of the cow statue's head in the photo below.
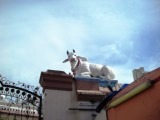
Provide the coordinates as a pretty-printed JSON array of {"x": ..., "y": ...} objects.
[
  {"x": 74, "y": 60},
  {"x": 71, "y": 57}
]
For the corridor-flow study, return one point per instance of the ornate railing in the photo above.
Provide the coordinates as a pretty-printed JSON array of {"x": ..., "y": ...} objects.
[{"x": 20, "y": 99}]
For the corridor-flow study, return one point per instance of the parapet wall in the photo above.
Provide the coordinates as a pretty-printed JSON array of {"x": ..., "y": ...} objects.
[
  {"x": 71, "y": 99},
  {"x": 143, "y": 106}
]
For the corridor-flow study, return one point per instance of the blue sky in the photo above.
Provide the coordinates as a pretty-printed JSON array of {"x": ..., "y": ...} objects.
[{"x": 35, "y": 34}]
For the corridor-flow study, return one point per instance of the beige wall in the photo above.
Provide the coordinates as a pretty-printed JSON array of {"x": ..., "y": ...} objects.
[{"x": 56, "y": 106}]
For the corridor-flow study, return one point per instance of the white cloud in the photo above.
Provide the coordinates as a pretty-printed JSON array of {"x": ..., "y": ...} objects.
[
  {"x": 123, "y": 74},
  {"x": 35, "y": 36}
]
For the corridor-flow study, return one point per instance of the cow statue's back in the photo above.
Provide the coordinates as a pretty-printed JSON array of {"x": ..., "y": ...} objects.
[{"x": 81, "y": 67}]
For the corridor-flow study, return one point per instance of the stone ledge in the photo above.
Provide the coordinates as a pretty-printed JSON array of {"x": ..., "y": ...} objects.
[
  {"x": 88, "y": 89},
  {"x": 56, "y": 80}
]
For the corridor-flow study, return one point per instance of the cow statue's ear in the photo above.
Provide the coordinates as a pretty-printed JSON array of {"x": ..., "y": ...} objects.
[
  {"x": 82, "y": 58},
  {"x": 66, "y": 60},
  {"x": 74, "y": 51},
  {"x": 67, "y": 52}
]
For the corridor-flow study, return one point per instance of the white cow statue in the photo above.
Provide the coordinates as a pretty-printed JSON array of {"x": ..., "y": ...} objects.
[{"x": 81, "y": 67}]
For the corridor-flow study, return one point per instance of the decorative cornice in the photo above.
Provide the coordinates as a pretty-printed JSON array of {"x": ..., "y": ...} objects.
[
  {"x": 57, "y": 80},
  {"x": 88, "y": 89}
]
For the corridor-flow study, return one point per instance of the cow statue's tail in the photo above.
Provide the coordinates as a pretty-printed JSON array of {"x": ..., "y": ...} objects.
[{"x": 108, "y": 72}]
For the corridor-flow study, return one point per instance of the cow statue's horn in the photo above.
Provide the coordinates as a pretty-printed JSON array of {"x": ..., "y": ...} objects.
[{"x": 67, "y": 52}]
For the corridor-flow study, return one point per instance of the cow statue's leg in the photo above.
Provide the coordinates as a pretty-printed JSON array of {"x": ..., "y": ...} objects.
[
  {"x": 107, "y": 77},
  {"x": 87, "y": 74},
  {"x": 107, "y": 73},
  {"x": 84, "y": 70}
]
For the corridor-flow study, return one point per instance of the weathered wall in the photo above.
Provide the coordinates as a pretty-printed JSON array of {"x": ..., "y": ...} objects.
[
  {"x": 57, "y": 103},
  {"x": 60, "y": 95}
]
